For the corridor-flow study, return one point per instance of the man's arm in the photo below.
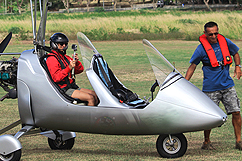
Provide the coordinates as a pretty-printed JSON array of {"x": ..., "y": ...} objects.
[
  {"x": 190, "y": 71},
  {"x": 237, "y": 70}
]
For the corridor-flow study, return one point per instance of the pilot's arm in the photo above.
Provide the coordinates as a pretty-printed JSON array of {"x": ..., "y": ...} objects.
[{"x": 190, "y": 71}]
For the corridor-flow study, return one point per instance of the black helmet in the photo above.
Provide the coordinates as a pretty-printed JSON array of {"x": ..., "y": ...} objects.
[{"x": 58, "y": 38}]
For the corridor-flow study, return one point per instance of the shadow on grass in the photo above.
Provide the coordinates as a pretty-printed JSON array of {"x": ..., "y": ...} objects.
[{"x": 86, "y": 152}]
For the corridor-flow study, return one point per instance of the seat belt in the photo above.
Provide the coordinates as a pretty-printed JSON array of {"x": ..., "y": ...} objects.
[{"x": 110, "y": 85}]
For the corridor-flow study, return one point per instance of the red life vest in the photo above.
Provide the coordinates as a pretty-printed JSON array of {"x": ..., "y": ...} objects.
[{"x": 210, "y": 52}]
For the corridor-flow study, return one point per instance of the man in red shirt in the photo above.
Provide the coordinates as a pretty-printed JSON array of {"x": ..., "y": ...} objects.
[{"x": 60, "y": 66}]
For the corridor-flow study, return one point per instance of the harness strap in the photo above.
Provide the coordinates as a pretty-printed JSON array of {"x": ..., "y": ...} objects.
[
  {"x": 110, "y": 85},
  {"x": 66, "y": 79}
]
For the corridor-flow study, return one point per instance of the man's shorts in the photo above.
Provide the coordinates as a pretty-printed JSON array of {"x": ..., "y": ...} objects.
[
  {"x": 228, "y": 97},
  {"x": 71, "y": 90}
]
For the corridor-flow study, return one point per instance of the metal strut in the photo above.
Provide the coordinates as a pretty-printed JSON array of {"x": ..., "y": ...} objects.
[{"x": 10, "y": 126}]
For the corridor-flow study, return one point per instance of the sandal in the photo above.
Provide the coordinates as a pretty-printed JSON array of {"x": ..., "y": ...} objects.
[
  {"x": 208, "y": 146},
  {"x": 238, "y": 145}
]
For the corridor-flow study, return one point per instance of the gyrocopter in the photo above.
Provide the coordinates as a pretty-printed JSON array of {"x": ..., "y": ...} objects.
[{"x": 178, "y": 107}]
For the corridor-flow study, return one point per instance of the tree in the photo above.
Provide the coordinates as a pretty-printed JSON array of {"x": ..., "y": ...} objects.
[
  {"x": 66, "y": 5},
  {"x": 88, "y": 2},
  {"x": 131, "y": 4},
  {"x": 19, "y": 5},
  {"x": 206, "y": 3},
  {"x": 80, "y": 2},
  {"x": 115, "y": 5}
]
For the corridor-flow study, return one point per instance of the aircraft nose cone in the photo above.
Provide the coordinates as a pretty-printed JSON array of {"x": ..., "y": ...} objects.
[{"x": 187, "y": 108}]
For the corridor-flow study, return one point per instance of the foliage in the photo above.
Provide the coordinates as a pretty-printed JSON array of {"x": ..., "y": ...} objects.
[
  {"x": 97, "y": 34},
  {"x": 120, "y": 30},
  {"x": 23, "y": 35},
  {"x": 15, "y": 30},
  {"x": 144, "y": 29},
  {"x": 99, "y": 9},
  {"x": 187, "y": 21},
  {"x": 158, "y": 30},
  {"x": 173, "y": 29}
]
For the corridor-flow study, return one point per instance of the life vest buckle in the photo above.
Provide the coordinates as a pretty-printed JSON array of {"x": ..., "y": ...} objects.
[{"x": 221, "y": 63}]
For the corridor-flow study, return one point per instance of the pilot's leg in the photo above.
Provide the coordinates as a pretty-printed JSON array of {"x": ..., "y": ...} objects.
[{"x": 84, "y": 96}]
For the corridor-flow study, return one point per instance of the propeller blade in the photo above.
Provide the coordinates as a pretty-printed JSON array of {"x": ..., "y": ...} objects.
[{"x": 5, "y": 42}]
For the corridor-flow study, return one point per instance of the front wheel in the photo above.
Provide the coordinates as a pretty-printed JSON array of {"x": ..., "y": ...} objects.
[
  {"x": 171, "y": 147},
  {"x": 59, "y": 144},
  {"x": 14, "y": 156}
]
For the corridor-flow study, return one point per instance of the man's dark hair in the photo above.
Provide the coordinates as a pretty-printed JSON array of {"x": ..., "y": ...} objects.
[{"x": 210, "y": 24}]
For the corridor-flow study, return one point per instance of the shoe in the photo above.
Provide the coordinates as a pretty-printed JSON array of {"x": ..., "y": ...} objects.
[
  {"x": 209, "y": 146},
  {"x": 238, "y": 145}
]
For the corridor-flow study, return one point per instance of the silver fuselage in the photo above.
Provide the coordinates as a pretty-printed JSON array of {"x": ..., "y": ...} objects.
[{"x": 178, "y": 107}]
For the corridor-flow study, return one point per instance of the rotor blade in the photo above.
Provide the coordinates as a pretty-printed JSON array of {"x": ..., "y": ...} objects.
[{"x": 5, "y": 42}]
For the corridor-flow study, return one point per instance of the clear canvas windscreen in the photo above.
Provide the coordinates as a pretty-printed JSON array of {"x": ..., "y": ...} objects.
[
  {"x": 87, "y": 49},
  {"x": 160, "y": 65}
]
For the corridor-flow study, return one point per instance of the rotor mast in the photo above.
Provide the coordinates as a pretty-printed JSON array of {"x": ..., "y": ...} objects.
[{"x": 39, "y": 40}]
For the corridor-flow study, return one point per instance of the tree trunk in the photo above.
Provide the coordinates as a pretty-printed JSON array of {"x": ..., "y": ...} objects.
[
  {"x": 206, "y": 3},
  {"x": 153, "y": 3},
  {"x": 88, "y": 2},
  {"x": 19, "y": 6},
  {"x": 115, "y": 5},
  {"x": 238, "y": 3},
  {"x": 80, "y": 2},
  {"x": 66, "y": 5},
  {"x": 131, "y": 4}
]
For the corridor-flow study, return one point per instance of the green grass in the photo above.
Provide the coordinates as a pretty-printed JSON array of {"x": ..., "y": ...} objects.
[
  {"x": 127, "y": 25},
  {"x": 130, "y": 64}
]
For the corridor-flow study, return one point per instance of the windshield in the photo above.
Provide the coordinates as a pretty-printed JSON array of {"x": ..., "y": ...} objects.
[
  {"x": 87, "y": 49},
  {"x": 160, "y": 65}
]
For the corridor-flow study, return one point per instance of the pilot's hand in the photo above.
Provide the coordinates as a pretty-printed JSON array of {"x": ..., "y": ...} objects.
[
  {"x": 72, "y": 64},
  {"x": 76, "y": 57}
]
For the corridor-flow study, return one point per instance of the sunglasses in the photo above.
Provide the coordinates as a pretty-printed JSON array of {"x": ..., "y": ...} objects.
[
  {"x": 211, "y": 34},
  {"x": 61, "y": 43}
]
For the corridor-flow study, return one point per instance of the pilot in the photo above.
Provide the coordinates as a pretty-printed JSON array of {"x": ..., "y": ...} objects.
[{"x": 60, "y": 67}]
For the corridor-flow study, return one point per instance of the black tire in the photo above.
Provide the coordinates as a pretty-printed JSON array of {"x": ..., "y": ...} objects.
[
  {"x": 14, "y": 156},
  {"x": 60, "y": 144},
  {"x": 168, "y": 150}
]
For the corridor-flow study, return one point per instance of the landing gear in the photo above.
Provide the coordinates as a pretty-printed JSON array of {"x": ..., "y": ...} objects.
[
  {"x": 59, "y": 144},
  {"x": 171, "y": 146},
  {"x": 60, "y": 140},
  {"x": 14, "y": 156}
]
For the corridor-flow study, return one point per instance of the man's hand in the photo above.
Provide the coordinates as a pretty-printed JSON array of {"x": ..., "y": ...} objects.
[
  {"x": 76, "y": 57},
  {"x": 237, "y": 72},
  {"x": 72, "y": 64}
]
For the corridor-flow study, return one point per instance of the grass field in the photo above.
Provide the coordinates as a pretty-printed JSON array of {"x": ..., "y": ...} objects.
[
  {"x": 128, "y": 25},
  {"x": 130, "y": 64}
]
